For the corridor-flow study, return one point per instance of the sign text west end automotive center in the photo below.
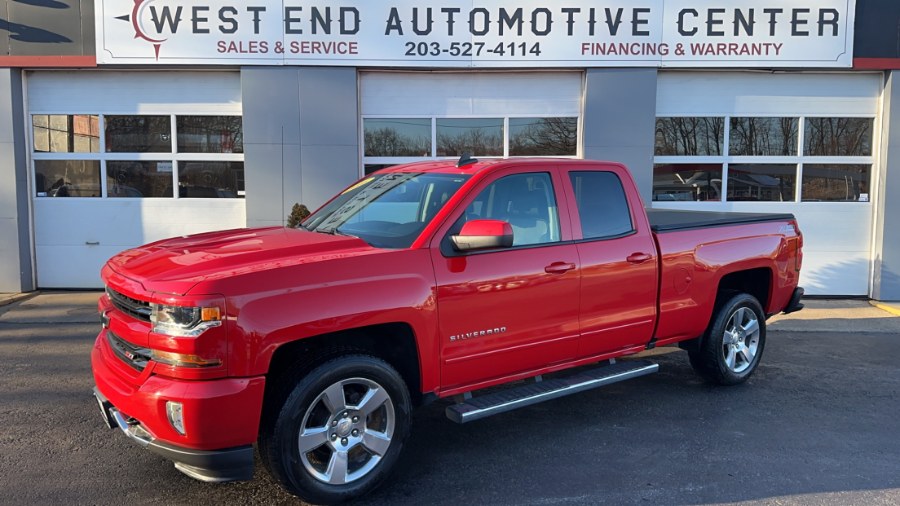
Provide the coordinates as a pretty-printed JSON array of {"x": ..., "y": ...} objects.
[{"x": 481, "y": 33}]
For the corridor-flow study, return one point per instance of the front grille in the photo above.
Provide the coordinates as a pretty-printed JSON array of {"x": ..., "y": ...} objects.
[
  {"x": 135, "y": 356},
  {"x": 132, "y": 307}
]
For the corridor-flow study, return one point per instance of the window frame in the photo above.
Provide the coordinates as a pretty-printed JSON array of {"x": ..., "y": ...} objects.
[
  {"x": 397, "y": 160},
  {"x": 579, "y": 214},
  {"x": 798, "y": 160},
  {"x": 103, "y": 156},
  {"x": 441, "y": 239}
]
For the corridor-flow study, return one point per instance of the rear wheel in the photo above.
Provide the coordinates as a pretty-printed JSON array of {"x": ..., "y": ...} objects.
[
  {"x": 732, "y": 346},
  {"x": 340, "y": 431}
]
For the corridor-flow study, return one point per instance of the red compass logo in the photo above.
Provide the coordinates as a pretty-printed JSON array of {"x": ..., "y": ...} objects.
[{"x": 136, "y": 17}]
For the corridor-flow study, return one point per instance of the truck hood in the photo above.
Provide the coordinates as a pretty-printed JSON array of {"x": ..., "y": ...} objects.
[{"x": 176, "y": 265}]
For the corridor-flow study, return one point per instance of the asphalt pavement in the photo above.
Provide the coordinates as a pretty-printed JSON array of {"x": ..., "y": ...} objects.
[{"x": 817, "y": 424}]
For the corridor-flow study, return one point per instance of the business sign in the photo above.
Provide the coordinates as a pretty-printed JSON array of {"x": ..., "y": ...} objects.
[{"x": 479, "y": 33}]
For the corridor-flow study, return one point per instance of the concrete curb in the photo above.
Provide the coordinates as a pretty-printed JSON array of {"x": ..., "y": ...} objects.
[
  {"x": 7, "y": 299},
  {"x": 890, "y": 308}
]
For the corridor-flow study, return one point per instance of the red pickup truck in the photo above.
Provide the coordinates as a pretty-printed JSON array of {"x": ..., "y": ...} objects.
[{"x": 423, "y": 281}]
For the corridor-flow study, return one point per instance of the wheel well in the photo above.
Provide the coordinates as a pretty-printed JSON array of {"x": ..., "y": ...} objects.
[
  {"x": 755, "y": 282},
  {"x": 395, "y": 343}
]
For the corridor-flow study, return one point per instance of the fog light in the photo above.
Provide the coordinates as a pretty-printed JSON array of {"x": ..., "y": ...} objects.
[{"x": 176, "y": 416}]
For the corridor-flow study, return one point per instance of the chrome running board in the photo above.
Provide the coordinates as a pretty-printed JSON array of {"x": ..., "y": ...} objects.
[{"x": 494, "y": 403}]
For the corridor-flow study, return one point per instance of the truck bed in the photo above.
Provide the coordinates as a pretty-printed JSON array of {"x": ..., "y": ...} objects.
[{"x": 667, "y": 220}]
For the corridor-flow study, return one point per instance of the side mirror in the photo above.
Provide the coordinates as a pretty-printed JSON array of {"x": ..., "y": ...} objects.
[{"x": 483, "y": 234}]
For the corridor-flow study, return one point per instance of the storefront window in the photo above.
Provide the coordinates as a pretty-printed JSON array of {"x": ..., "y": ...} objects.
[
  {"x": 838, "y": 137},
  {"x": 687, "y": 182},
  {"x": 690, "y": 136},
  {"x": 139, "y": 179},
  {"x": 397, "y": 136},
  {"x": 835, "y": 183},
  {"x": 476, "y": 136},
  {"x": 209, "y": 134},
  {"x": 762, "y": 182},
  {"x": 61, "y": 133},
  {"x": 543, "y": 136},
  {"x": 211, "y": 179},
  {"x": 67, "y": 178},
  {"x": 763, "y": 137},
  {"x": 138, "y": 134}
]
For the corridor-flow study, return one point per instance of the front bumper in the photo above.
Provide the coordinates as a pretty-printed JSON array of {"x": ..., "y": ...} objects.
[
  {"x": 220, "y": 417},
  {"x": 231, "y": 464}
]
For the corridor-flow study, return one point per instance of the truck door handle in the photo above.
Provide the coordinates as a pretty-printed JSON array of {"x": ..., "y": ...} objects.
[
  {"x": 559, "y": 267},
  {"x": 638, "y": 258}
]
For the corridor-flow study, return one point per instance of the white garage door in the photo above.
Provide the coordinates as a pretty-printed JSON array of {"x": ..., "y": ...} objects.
[
  {"x": 762, "y": 142},
  {"x": 412, "y": 116},
  {"x": 120, "y": 159}
]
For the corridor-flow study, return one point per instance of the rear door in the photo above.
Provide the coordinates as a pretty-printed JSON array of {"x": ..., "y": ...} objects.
[
  {"x": 512, "y": 310},
  {"x": 618, "y": 260}
]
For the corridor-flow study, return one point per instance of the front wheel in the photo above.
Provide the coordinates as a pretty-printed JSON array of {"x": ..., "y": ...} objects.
[
  {"x": 340, "y": 431},
  {"x": 733, "y": 344}
]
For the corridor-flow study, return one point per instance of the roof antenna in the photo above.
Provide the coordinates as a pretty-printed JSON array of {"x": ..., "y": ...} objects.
[{"x": 466, "y": 159}]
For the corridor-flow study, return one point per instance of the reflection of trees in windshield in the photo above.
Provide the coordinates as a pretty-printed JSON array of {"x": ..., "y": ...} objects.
[
  {"x": 388, "y": 210},
  {"x": 360, "y": 199}
]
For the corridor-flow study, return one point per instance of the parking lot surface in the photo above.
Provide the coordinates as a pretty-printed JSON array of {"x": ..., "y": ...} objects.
[{"x": 817, "y": 424}]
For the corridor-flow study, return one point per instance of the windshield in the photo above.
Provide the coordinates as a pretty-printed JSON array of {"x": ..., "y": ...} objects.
[{"x": 387, "y": 210}]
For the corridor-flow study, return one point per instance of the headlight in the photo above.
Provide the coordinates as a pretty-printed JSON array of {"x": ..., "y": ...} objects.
[{"x": 182, "y": 321}]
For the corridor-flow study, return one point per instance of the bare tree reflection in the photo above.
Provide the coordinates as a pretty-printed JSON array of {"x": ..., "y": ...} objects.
[
  {"x": 543, "y": 136},
  {"x": 699, "y": 136},
  {"x": 838, "y": 136},
  {"x": 477, "y": 141},
  {"x": 763, "y": 137},
  {"x": 387, "y": 141}
]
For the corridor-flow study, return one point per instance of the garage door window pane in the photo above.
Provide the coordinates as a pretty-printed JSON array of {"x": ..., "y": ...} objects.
[
  {"x": 838, "y": 136},
  {"x": 761, "y": 182},
  {"x": 61, "y": 133},
  {"x": 138, "y": 134},
  {"x": 139, "y": 179},
  {"x": 763, "y": 137},
  {"x": 211, "y": 179},
  {"x": 209, "y": 134},
  {"x": 694, "y": 136},
  {"x": 397, "y": 136},
  {"x": 687, "y": 182},
  {"x": 543, "y": 136},
  {"x": 476, "y": 136},
  {"x": 835, "y": 183},
  {"x": 67, "y": 178}
]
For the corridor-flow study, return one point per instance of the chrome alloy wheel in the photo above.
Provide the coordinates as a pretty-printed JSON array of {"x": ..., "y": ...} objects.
[
  {"x": 346, "y": 431},
  {"x": 741, "y": 340}
]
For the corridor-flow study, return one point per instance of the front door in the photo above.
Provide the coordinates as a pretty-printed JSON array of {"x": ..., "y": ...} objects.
[{"x": 508, "y": 311}]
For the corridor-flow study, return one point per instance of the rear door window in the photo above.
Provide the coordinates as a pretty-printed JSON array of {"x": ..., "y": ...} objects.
[{"x": 602, "y": 205}]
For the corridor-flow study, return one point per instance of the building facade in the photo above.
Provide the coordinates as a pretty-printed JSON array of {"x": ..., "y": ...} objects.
[{"x": 126, "y": 122}]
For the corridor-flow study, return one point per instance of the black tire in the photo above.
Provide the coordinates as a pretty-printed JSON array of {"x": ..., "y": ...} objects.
[
  {"x": 733, "y": 344},
  {"x": 352, "y": 448}
]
